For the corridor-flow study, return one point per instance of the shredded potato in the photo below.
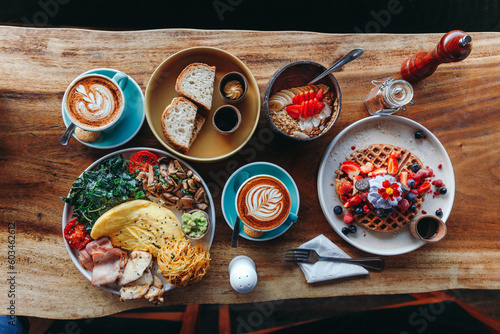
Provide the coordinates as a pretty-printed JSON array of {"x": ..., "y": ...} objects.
[{"x": 182, "y": 264}]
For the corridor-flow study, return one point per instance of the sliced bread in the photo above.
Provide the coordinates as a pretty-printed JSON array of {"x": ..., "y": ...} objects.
[
  {"x": 196, "y": 82},
  {"x": 181, "y": 123}
]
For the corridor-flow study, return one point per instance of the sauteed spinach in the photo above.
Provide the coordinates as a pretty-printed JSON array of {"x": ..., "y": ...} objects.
[{"x": 102, "y": 188}]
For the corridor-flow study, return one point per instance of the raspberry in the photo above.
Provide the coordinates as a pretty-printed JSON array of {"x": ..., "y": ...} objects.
[
  {"x": 424, "y": 212},
  {"x": 366, "y": 209},
  {"x": 438, "y": 183},
  {"x": 440, "y": 166},
  {"x": 403, "y": 205},
  {"x": 348, "y": 218}
]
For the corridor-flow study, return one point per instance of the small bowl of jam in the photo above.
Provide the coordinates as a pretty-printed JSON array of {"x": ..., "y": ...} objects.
[
  {"x": 428, "y": 228},
  {"x": 226, "y": 119}
]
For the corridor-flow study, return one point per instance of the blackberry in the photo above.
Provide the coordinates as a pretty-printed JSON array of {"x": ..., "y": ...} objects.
[
  {"x": 338, "y": 210},
  {"x": 419, "y": 135},
  {"x": 345, "y": 231},
  {"x": 439, "y": 213},
  {"x": 353, "y": 229},
  {"x": 443, "y": 191}
]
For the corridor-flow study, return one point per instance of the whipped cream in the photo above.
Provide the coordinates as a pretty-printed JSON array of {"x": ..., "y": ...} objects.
[{"x": 376, "y": 199}]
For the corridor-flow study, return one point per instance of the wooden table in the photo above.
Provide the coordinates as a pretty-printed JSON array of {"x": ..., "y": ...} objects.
[{"x": 460, "y": 103}]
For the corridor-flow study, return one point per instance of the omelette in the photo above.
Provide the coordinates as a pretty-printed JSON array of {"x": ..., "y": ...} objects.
[{"x": 138, "y": 225}]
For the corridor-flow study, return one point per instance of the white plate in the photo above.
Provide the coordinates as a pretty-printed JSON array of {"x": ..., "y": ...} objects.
[
  {"x": 394, "y": 130},
  {"x": 127, "y": 154}
]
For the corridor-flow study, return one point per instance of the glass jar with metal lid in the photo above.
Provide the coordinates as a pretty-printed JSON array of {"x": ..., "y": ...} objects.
[{"x": 389, "y": 96}]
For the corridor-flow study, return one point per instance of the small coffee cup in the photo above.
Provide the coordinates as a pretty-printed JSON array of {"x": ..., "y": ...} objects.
[
  {"x": 428, "y": 228},
  {"x": 95, "y": 102},
  {"x": 226, "y": 119},
  {"x": 263, "y": 203}
]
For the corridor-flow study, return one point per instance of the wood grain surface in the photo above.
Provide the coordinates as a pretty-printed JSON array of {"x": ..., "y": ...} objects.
[{"x": 460, "y": 104}]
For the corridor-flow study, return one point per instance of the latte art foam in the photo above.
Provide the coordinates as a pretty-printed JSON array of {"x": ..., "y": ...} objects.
[
  {"x": 263, "y": 203},
  {"x": 94, "y": 102}
]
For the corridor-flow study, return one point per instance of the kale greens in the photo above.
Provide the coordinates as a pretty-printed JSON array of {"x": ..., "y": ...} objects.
[{"x": 101, "y": 189}]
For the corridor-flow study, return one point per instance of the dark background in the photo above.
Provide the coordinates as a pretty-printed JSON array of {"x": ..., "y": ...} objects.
[{"x": 386, "y": 16}]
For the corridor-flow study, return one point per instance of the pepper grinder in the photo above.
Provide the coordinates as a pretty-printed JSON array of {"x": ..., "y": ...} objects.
[{"x": 454, "y": 46}]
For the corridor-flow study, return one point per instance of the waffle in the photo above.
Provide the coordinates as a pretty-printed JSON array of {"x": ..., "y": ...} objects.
[{"x": 378, "y": 155}]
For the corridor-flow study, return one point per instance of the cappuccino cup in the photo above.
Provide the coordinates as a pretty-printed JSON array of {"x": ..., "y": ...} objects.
[
  {"x": 263, "y": 203},
  {"x": 95, "y": 102}
]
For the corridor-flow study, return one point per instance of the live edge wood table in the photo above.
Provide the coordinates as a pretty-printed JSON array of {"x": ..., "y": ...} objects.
[{"x": 460, "y": 104}]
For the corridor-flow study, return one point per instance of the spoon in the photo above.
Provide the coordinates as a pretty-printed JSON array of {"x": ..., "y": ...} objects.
[
  {"x": 67, "y": 134},
  {"x": 242, "y": 177},
  {"x": 353, "y": 54}
]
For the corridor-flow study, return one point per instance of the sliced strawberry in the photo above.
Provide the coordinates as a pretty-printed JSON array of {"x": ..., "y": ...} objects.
[
  {"x": 392, "y": 166},
  {"x": 403, "y": 178},
  {"x": 345, "y": 187},
  {"x": 293, "y": 111},
  {"x": 424, "y": 188},
  {"x": 319, "y": 95},
  {"x": 378, "y": 171},
  {"x": 344, "y": 198},
  {"x": 353, "y": 201},
  {"x": 367, "y": 168},
  {"x": 395, "y": 154},
  {"x": 351, "y": 168}
]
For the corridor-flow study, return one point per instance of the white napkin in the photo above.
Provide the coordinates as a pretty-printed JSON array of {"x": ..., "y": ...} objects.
[{"x": 326, "y": 270}]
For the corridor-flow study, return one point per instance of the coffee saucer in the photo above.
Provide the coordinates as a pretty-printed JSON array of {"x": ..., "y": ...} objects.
[
  {"x": 133, "y": 118},
  {"x": 259, "y": 168}
]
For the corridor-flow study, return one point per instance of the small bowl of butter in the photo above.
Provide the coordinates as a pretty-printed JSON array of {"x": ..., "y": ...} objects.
[{"x": 233, "y": 87}]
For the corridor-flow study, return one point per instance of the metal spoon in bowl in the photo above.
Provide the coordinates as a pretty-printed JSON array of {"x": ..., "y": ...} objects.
[
  {"x": 67, "y": 134},
  {"x": 354, "y": 54}
]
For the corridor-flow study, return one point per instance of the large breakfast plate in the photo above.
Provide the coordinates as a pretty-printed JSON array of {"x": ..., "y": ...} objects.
[
  {"x": 393, "y": 130},
  {"x": 127, "y": 154},
  {"x": 209, "y": 144}
]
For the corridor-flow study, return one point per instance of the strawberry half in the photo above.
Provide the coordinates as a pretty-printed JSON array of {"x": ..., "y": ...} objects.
[
  {"x": 345, "y": 188},
  {"x": 351, "y": 168},
  {"x": 392, "y": 165},
  {"x": 367, "y": 168},
  {"x": 353, "y": 201},
  {"x": 378, "y": 171},
  {"x": 403, "y": 178},
  {"x": 424, "y": 188}
]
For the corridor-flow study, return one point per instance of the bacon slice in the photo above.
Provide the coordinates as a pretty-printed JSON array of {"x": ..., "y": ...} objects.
[
  {"x": 86, "y": 260},
  {"x": 108, "y": 266}
]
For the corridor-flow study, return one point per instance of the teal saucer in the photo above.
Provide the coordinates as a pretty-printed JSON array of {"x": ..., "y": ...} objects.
[
  {"x": 258, "y": 168},
  {"x": 132, "y": 121}
]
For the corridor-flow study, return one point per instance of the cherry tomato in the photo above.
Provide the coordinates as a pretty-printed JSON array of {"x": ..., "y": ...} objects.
[
  {"x": 76, "y": 235},
  {"x": 141, "y": 161}
]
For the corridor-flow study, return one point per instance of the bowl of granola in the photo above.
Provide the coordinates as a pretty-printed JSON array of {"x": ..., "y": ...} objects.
[{"x": 300, "y": 111}]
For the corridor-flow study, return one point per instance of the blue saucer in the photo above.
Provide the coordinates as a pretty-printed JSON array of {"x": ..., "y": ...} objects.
[
  {"x": 258, "y": 168},
  {"x": 132, "y": 121}
]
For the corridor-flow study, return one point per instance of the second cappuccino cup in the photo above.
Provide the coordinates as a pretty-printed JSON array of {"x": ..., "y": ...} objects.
[
  {"x": 263, "y": 203},
  {"x": 95, "y": 102}
]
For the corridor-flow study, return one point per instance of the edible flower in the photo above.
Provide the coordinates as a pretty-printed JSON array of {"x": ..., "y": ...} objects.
[{"x": 389, "y": 190}]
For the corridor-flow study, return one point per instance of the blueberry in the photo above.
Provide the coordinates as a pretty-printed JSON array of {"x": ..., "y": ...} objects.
[
  {"x": 412, "y": 208},
  {"x": 338, "y": 210},
  {"x": 353, "y": 228},
  {"x": 411, "y": 183},
  {"x": 411, "y": 197},
  {"x": 439, "y": 213},
  {"x": 379, "y": 212},
  {"x": 443, "y": 191},
  {"x": 419, "y": 135},
  {"x": 359, "y": 211},
  {"x": 415, "y": 167},
  {"x": 345, "y": 231},
  {"x": 389, "y": 211}
]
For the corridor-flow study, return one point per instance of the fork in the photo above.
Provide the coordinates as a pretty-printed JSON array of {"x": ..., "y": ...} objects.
[{"x": 302, "y": 255}]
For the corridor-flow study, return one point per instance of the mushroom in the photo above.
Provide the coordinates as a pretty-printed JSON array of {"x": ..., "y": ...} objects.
[
  {"x": 201, "y": 206},
  {"x": 198, "y": 197},
  {"x": 171, "y": 168},
  {"x": 186, "y": 203},
  {"x": 178, "y": 166}
]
